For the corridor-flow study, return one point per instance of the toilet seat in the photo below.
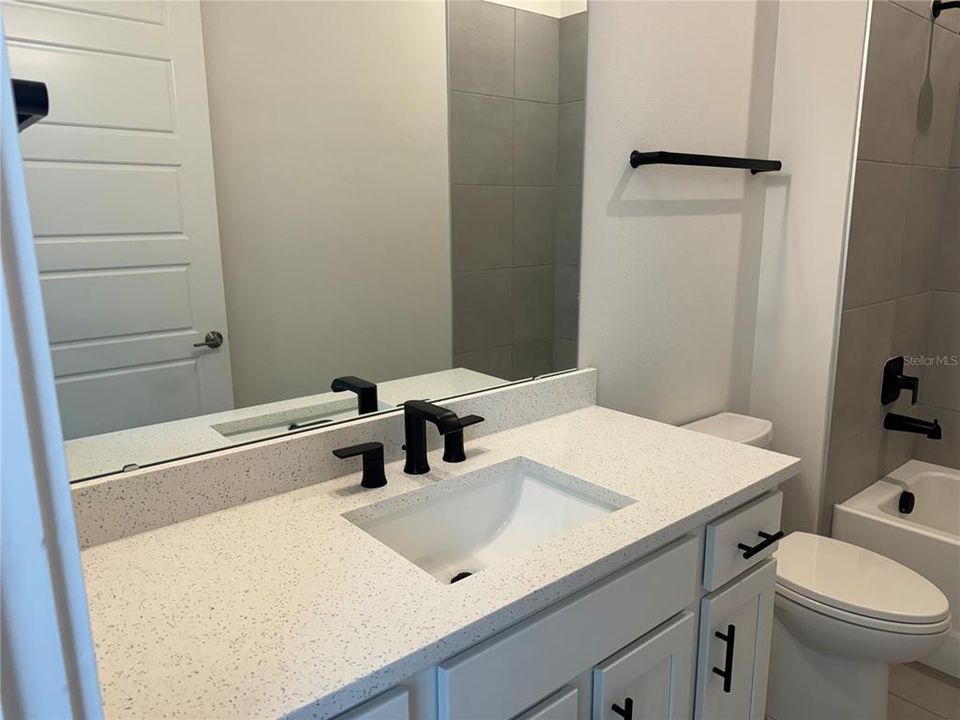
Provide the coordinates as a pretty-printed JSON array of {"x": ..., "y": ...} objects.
[
  {"x": 864, "y": 621},
  {"x": 858, "y": 586}
]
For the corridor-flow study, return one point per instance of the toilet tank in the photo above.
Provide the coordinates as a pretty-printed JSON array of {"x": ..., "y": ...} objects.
[{"x": 739, "y": 428}]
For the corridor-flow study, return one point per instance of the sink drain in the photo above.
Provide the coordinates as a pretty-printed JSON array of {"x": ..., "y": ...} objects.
[{"x": 460, "y": 576}]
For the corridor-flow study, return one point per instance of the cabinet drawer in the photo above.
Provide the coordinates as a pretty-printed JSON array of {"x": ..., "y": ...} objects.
[
  {"x": 559, "y": 706},
  {"x": 513, "y": 670},
  {"x": 723, "y": 558},
  {"x": 392, "y": 705},
  {"x": 650, "y": 678}
]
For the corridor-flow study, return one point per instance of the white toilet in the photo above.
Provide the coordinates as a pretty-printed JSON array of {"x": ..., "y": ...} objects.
[{"x": 842, "y": 615}]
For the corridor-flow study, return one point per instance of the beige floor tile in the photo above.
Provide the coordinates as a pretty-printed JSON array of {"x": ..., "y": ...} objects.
[
  {"x": 900, "y": 709},
  {"x": 926, "y": 688}
]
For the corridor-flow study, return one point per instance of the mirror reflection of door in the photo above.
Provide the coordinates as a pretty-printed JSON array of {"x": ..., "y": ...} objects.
[
  {"x": 236, "y": 204},
  {"x": 121, "y": 190}
]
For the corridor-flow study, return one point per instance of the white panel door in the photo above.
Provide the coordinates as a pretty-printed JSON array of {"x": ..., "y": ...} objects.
[{"x": 120, "y": 185}]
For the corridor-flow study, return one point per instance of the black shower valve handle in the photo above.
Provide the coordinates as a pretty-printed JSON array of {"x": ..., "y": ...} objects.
[
  {"x": 912, "y": 384},
  {"x": 894, "y": 381}
]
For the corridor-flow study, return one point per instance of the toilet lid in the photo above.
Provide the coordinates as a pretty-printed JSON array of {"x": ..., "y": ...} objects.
[{"x": 857, "y": 580}]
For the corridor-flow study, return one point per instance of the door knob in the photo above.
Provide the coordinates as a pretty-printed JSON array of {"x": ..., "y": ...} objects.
[{"x": 213, "y": 340}]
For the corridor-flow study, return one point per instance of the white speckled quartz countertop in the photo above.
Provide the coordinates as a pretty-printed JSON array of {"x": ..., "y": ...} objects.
[{"x": 282, "y": 606}]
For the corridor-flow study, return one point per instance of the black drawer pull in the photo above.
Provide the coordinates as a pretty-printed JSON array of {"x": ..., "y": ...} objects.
[
  {"x": 750, "y": 550},
  {"x": 727, "y": 672},
  {"x": 626, "y": 712}
]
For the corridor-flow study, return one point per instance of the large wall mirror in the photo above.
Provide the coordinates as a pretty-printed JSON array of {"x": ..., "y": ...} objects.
[{"x": 246, "y": 213}]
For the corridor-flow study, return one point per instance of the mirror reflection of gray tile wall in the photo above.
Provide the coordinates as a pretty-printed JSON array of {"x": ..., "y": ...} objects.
[
  {"x": 516, "y": 146},
  {"x": 902, "y": 280}
]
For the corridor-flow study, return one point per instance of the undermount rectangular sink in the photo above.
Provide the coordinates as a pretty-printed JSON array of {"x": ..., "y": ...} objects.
[
  {"x": 277, "y": 423},
  {"x": 462, "y": 525}
]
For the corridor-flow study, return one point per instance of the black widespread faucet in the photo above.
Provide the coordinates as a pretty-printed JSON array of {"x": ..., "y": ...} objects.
[
  {"x": 416, "y": 414},
  {"x": 366, "y": 392},
  {"x": 905, "y": 423}
]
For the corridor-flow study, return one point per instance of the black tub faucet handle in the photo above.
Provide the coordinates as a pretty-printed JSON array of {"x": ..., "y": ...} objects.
[{"x": 894, "y": 381}]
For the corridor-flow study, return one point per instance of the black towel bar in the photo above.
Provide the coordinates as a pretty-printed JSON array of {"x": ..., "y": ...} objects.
[
  {"x": 940, "y": 5},
  {"x": 662, "y": 157}
]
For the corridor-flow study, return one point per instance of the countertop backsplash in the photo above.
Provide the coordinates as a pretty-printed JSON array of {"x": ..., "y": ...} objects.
[{"x": 117, "y": 506}]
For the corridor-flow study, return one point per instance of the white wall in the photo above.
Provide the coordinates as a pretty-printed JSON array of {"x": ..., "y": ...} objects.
[
  {"x": 813, "y": 128},
  {"x": 704, "y": 290},
  {"x": 671, "y": 254},
  {"x": 329, "y": 124}
]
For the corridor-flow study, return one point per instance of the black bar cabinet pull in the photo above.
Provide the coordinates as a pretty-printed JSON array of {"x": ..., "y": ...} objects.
[
  {"x": 750, "y": 550},
  {"x": 727, "y": 672},
  {"x": 663, "y": 157},
  {"x": 626, "y": 712}
]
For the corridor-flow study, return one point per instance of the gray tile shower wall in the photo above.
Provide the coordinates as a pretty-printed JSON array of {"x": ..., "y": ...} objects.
[
  {"x": 516, "y": 147},
  {"x": 902, "y": 283}
]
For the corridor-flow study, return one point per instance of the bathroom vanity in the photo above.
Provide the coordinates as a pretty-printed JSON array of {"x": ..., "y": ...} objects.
[{"x": 656, "y": 602}]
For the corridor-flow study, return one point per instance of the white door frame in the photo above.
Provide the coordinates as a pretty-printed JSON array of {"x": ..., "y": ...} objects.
[{"x": 49, "y": 667}]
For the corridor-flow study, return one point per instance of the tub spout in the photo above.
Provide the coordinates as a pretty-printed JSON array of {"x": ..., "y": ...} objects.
[{"x": 905, "y": 423}]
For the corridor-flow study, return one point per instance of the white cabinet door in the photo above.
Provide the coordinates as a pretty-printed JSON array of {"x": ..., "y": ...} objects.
[
  {"x": 514, "y": 670},
  {"x": 650, "y": 679},
  {"x": 392, "y": 705},
  {"x": 735, "y": 625},
  {"x": 562, "y": 705}
]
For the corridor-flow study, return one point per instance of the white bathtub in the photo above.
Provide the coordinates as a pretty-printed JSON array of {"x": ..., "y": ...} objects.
[{"x": 927, "y": 539}]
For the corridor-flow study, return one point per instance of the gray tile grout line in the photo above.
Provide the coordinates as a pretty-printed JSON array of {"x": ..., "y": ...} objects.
[
  {"x": 514, "y": 98},
  {"x": 909, "y": 165},
  {"x": 521, "y": 187},
  {"x": 517, "y": 267},
  {"x": 896, "y": 299}
]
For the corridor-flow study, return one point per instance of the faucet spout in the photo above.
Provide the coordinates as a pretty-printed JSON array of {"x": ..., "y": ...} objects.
[
  {"x": 905, "y": 423},
  {"x": 366, "y": 392},
  {"x": 416, "y": 415}
]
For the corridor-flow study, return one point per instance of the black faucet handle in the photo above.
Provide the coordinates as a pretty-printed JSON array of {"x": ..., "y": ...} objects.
[
  {"x": 912, "y": 384},
  {"x": 372, "y": 453},
  {"x": 366, "y": 392},
  {"x": 453, "y": 450}
]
